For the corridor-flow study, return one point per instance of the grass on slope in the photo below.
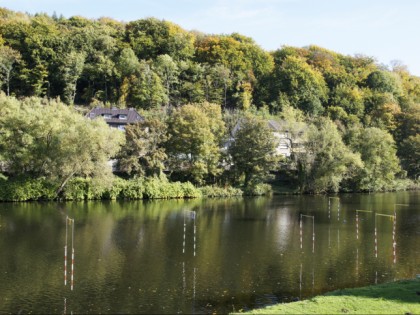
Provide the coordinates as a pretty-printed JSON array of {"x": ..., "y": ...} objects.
[{"x": 401, "y": 297}]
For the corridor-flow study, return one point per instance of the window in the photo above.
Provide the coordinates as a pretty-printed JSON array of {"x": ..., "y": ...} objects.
[
  {"x": 107, "y": 116},
  {"x": 122, "y": 116},
  {"x": 92, "y": 115},
  {"x": 121, "y": 127}
]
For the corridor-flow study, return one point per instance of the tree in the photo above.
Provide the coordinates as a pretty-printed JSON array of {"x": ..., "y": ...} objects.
[
  {"x": 127, "y": 62},
  {"x": 151, "y": 37},
  {"x": 8, "y": 57},
  {"x": 48, "y": 139},
  {"x": 350, "y": 98},
  {"x": 385, "y": 82},
  {"x": 143, "y": 89},
  {"x": 168, "y": 71},
  {"x": 378, "y": 153},
  {"x": 71, "y": 68},
  {"x": 304, "y": 85},
  {"x": 191, "y": 85},
  {"x": 253, "y": 150},
  {"x": 143, "y": 153},
  {"x": 217, "y": 81},
  {"x": 410, "y": 156},
  {"x": 326, "y": 161},
  {"x": 193, "y": 146}
]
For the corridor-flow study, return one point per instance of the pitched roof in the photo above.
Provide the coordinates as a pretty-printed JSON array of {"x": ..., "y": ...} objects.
[{"x": 131, "y": 115}]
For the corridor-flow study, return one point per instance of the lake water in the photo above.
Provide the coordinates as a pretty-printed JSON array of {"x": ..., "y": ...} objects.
[{"x": 129, "y": 254}]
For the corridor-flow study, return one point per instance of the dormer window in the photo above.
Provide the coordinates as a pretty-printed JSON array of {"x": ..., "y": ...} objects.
[
  {"x": 107, "y": 116},
  {"x": 122, "y": 116}
]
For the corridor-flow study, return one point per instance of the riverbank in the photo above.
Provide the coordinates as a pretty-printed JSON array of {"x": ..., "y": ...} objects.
[{"x": 400, "y": 297}]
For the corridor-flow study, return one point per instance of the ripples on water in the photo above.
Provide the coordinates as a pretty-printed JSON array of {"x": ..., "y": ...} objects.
[{"x": 129, "y": 254}]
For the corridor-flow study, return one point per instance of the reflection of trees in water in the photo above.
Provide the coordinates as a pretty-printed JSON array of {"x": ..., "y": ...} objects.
[{"x": 244, "y": 246}]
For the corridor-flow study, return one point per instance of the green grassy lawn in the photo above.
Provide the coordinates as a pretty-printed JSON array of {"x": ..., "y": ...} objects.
[{"x": 401, "y": 297}]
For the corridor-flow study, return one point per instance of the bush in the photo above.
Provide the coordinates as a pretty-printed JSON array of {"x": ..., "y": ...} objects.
[
  {"x": 78, "y": 188},
  {"x": 161, "y": 188},
  {"x": 23, "y": 189},
  {"x": 116, "y": 190},
  {"x": 190, "y": 191},
  {"x": 132, "y": 189},
  {"x": 258, "y": 190},
  {"x": 216, "y": 191},
  {"x": 81, "y": 189}
]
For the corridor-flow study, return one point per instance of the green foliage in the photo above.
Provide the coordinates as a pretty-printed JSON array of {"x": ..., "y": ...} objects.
[
  {"x": 253, "y": 150},
  {"x": 385, "y": 82},
  {"x": 23, "y": 189},
  {"x": 161, "y": 188},
  {"x": 378, "y": 153},
  {"x": 153, "y": 65},
  {"x": 143, "y": 153},
  {"x": 350, "y": 98},
  {"x": 193, "y": 147},
  {"x": 410, "y": 155},
  {"x": 151, "y": 37},
  {"x": 304, "y": 86},
  {"x": 326, "y": 160},
  {"x": 48, "y": 139},
  {"x": 259, "y": 189},
  {"x": 8, "y": 58},
  {"x": 81, "y": 189},
  {"x": 217, "y": 191}
]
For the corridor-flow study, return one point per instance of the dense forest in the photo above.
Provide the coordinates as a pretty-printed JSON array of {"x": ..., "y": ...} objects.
[{"x": 359, "y": 119}]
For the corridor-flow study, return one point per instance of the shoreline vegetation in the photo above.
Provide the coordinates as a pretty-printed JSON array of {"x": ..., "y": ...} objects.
[
  {"x": 399, "y": 297},
  {"x": 222, "y": 116}
]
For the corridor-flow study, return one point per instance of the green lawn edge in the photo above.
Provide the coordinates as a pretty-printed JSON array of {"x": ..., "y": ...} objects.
[{"x": 399, "y": 297}]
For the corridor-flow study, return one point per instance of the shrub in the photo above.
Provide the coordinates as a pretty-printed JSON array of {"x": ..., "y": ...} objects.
[
  {"x": 190, "y": 191},
  {"x": 23, "y": 189},
  {"x": 133, "y": 189},
  {"x": 258, "y": 190},
  {"x": 117, "y": 188},
  {"x": 216, "y": 191},
  {"x": 79, "y": 188},
  {"x": 161, "y": 188}
]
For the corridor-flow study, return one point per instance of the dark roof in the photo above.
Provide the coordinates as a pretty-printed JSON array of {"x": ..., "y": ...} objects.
[{"x": 131, "y": 113}]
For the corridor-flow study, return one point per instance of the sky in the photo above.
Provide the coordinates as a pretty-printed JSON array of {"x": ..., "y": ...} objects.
[{"x": 384, "y": 29}]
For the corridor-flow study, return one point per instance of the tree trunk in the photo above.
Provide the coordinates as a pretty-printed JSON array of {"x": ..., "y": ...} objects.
[
  {"x": 63, "y": 184},
  {"x": 8, "y": 82}
]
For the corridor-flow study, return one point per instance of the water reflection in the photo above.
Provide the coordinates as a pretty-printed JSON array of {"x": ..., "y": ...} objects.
[{"x": 201, "y": 256}]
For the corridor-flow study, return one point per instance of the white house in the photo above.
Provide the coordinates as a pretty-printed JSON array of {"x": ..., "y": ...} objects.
[{"x": 286, "y": 142}]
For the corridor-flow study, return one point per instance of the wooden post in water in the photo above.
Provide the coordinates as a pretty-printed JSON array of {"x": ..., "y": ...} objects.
[
  {"x": 338, "y": 210},
  {"x": 394, "y": 229},
  {"x": 329, "y": 208},
  {"x": 357, "y": 221},
  {"x": 338, "y": 207},
  {"x": 376, "y": 240},
  {"x": 65, "y": 253},
  {"x": 313, "y": 234},
  {"x": 183, "y": 243},
  {"x": 72, "y": 255},
  {"x": 394, "y": 244},
  {"x": 313, "y": 231},
  {"x": 69, "y": 222},
  {"x": 301, "y": 231},
  {"x": 191, "y": 215},
  {"x": 195, "y": 233}
]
